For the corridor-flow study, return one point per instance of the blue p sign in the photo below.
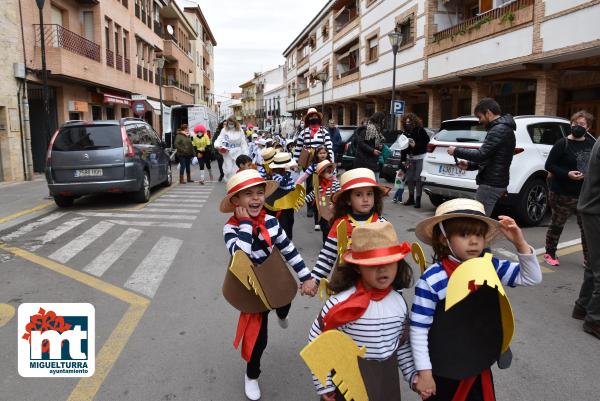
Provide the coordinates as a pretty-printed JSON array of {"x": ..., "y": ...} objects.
[{"x": 398, "y": 106}]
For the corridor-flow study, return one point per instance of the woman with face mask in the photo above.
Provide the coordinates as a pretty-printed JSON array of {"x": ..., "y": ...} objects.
[
  {"x": 231, "y": 143},
  {"x": 313, "y": 136},
  {"x": 567, "y": 164},
  {"x": 413, "y": 157}
]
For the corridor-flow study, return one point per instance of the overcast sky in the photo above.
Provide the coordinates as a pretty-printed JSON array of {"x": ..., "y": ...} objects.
[{"x": 252, "y": 35}]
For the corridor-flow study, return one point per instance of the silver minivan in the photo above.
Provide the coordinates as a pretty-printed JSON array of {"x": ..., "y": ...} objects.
[{"x": 124, "y": 156}]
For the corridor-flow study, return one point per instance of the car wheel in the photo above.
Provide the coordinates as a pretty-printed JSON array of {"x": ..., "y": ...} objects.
[
  {"x": 532, "y": 204},
  {"x": 436, "y": 200},
  {"x": 169, "y": 180},
  {"x": 143, "y": 194},
  {"x": 63, "y": 201}
]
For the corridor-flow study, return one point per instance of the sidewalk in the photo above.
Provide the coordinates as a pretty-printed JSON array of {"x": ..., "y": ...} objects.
[{"x": 22, "y": 201}]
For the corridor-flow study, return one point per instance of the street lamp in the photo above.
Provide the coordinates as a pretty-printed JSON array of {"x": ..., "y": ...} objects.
[
  {"x": 160, "y": 63},
  {"x": 45, "y": 101},
  {"x": 294, "y": 112},
  {"x": 395, "y": 40},
  {"x": 323, "y": 76}
]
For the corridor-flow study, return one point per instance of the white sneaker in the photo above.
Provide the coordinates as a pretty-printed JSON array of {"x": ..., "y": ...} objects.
[
  {"x": 283, "y": 323},
  {"x": 317, "y": 227},
  {"x": 251, "y": 388}
]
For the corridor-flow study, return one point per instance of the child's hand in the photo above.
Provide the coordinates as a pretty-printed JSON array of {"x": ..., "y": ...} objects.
[
  {"x": 241, "y": 213},
  {"x": 514, "y": 234},
  {"x": 424, "y": 384},
  {"x": 309, "y": 287},
  {"x": 328, "y": 396}
]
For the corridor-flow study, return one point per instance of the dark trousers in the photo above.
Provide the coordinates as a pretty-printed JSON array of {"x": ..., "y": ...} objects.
[
  {"x": 220, "y": 163},
  {"x": 311, "y": 206},
  {"x": 446, "y": 388},
  {"x": 184, "y": 164},
  {"x": 562, "y": 207},
  {"x": 589, "y": 295},
  {"x": 286, "y": 220},
  {"x": 325, "y": 227},
  {"x": 253, "y": 367}
]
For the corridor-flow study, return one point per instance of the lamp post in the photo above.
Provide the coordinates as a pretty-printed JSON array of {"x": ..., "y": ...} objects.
[
  {"x": 323, "y": 76},
  {"x": 45, "y": 101},
  {"x": 294, "y": 111},
  {"x": 160, "y": 63},
  {"x": 395, "y": 40}
]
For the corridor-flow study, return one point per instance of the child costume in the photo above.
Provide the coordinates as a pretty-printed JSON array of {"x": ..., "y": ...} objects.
[
  {"x": 373, "y": 318},
  {"x": 311, "y": 138},
  {"x": 323, "y": 190},
  {"x": 257, "y": 237},
  {"x": 461, "y": 342},
  {"x": 231, "y": 144},
  {"x": 351, "y": 179},
  {"x": 283, "y": 160}
]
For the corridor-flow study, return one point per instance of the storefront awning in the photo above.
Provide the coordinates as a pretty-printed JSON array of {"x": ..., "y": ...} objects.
[
  {"x": 156, "y": 105},
  {"x": 117, "y": 100}
]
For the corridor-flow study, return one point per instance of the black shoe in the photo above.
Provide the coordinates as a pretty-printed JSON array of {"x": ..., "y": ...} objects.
[
  {"x": 309, "y": 213},
  {"x": 409, "y": 202},
  {"x": 221, "y": 177},
  {"x": 592, "y": 328},
  {"x": 418, "y": 202},
  {"x": 505, "y": 359},
  {"x": 578, "y": 312}
]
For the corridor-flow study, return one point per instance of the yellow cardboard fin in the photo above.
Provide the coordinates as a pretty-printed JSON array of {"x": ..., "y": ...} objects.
[
  {"x": 343, "y": 240},
  {"x": 241, "y": 267},
  {"x": 419, "y": 256}
]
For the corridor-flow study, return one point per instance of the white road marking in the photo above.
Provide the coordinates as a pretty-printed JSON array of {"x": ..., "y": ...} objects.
[
  {"x": 184, "y": 196},
  {"x": 138, "y": 215},
  {"x": 148, "y": 275},
  {"x": 507, "y": 254},
  {"x": 104, "y": 261},
  {"x": 67, "y": 252},
  {"x": 179, "y": 201},
  {"x": 566, "y": 244},
  {"x": 56, "y": 232},
  {"x": 32, "y": 226},
  {"x": 150, "y": 224},
  {"x": 173, "y": 210}
]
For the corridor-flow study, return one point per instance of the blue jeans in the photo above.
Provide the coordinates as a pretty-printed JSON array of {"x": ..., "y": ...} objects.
[
  {"x": 398, "y": 194},
  {"x": 184, "y": 164}
]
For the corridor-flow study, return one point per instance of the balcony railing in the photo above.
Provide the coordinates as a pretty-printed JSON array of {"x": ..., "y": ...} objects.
[
  {"x": 139, "y": 71},
  {"x": 127, "y": 66},
  {"x": 110, "y": 58},
  {"x": 58, "y": 36},
  {"x": 137, "y": 10},
  {"x": 158, "y": 28},
  {"x": 475, "y": 22},
  {"x": 119, "y": 62},
  {"x": 150, "y": 76},
  {"x": 145, "y": 71}
]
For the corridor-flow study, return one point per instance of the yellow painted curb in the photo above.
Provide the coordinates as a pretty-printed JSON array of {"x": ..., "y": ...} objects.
[
  {"x": 25, "y": 212},
  {"x": 6, "y": 313}
]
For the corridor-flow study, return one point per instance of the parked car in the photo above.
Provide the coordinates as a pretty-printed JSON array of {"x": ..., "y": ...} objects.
[
  {"x": 124, "y": 156},
  {"x": 346, "y": 132},
  {"x": 348, "y": 155},
  {"x": 392, "y": 163},
  {"x": 527, "y": 193}
]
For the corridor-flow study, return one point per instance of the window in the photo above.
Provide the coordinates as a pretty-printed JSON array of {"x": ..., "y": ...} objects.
[
  {"x": 125, "y": 45},
  {"x": 117, "y": 39},
  {"x": 325, "y": 31},
  {"x": 107, "y": 33},
  {"x": 406, "y": 29},
  {"x": 312, "y": 41},
  {"x": 125, "y": 3},
  {"x": 347, "y": 60},
  {"x": 545, "y": 133},
  {"x": 370, "y": 2},
  {"x": 72, "y": 139},
  {"x": 372, "y": 48}
]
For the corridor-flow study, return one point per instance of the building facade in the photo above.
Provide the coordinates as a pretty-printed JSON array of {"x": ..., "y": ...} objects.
[
  {"x": 265, "y": 83},
  {"x": 452, "y": 54},
  {"x": 249, "y": 102}
]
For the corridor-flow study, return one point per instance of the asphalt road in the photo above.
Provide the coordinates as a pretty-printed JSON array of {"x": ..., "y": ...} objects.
[{"x": 173, "y": 341}]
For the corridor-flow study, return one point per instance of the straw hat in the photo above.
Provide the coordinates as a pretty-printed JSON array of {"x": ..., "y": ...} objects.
[
  {"x": 242, "y": 180},
  {"x": 456, "y": 208},
  {"x": 268, "y": 154},
  {"x": 322, "y": 166},
  {"x": 376, "y": 244},
  {"x": 310, "y": 111},
  {"x": 359, "y": 178},
  {"x": 283, "y": 160}
]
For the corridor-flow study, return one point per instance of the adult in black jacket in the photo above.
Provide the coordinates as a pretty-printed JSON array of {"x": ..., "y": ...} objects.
[
  {"x": 494, "y": 157},
  {"x": 413, "y": 157},
  {"x": 369, "y": 142},
  {"x": 217, "y": 156}
]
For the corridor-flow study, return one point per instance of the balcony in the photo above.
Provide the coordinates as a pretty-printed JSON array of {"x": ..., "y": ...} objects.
[
  {"x": 119, "y": 62},
  {"x": 139, "y": 71},
  {"x": 346, "y": 19},
  {"x": 110, "y": 58},
  {"x": 127, "y": 66},
  {"x": 59, "y": 37},
  {"x": 173, "y": 52},
  {"x": 499, "y": 19},
  {"x": 158, "y": 28},
  {"x": 173, "y": 93},
  {"x": 303, "y": 93}
]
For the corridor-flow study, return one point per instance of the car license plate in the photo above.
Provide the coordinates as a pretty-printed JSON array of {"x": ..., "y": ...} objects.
[
  {"x": 397, "y": 153},
  {"x": 95, "y": 172},
  {"x": 450, "y": 170}
]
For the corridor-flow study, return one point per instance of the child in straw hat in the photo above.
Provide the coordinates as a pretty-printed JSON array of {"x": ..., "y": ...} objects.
[
  {"x": 358, "y": 202},
  {"x": 460, "y": 231},
  {"x": 266, "y": 157},
  {"x": 321, "y": 155},
  {"x": 281, "y": 166},
  {"x": 369, "y": 307},
  {"x": 321, "y": 195},
  {"x": 254, "y": 232}
]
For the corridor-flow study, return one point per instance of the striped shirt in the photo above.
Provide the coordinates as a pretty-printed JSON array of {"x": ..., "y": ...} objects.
[
  {"x": 263, "y": 172},
  {"x": 379, "y": 329},
  {"x": 431, "y": 289},
  {"x": 333, "y": 188},
  {"x": 329, "y": 252},
  {"x": 321, "y": 137},
  {"x": 285, "y": 181},
  {"x": 240, "y": 237}
]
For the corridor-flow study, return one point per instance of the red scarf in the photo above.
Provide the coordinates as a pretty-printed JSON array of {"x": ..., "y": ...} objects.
[
  {"x": 354, "y": 307},
  {"x": 450, "y": 265},
  {"x": 313, "y": 130},
  {"x": 324, "y": 183},
  {"x": 373, "y": 218},
  {"x": 258, "y": 225}
]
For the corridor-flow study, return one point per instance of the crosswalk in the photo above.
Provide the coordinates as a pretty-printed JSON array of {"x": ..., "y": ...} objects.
[{"x": 99, "y": 242}]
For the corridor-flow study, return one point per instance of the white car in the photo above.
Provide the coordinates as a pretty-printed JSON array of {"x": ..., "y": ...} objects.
[{"x": 527, "y": 194}]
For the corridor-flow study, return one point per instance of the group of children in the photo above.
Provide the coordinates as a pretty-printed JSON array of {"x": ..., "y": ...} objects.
[{"x": 369, "y": 272}]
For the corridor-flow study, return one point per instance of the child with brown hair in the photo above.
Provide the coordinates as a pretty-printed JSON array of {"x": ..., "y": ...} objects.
[
  {"x": 369, "y": 307},
  {"x": 321, "y": 195},
  {"x": 458, "y": 232},
  {"x": 358, "y": 202}
]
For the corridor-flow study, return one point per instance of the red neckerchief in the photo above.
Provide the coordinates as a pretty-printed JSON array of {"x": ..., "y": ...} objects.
[
  {"x": 313, "y": 130},
  {"x": 354, "y": 307},
  {"x": 258, "y": 225},
  {"x": 324, "y": 183},
  {"x": 450, "y": 265}
]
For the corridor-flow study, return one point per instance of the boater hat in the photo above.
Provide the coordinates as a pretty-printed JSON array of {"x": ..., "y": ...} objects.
[
  {"x": 242, "y": 180},
  {"x": 456, "y": 208},
  {"x": 322, "y": 166},
  {"x": 283, "y": 160},
  {"x": 376, "y": 244},
  {"x": 358, "y": 178},
  {"x": 268, "y": 154}
]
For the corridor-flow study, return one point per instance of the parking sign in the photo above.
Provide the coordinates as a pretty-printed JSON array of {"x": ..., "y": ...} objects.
[{"x": 398, "y": 106}]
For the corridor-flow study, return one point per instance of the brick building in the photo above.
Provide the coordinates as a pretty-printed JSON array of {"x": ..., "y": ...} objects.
[{"x": 534, "y": 56}]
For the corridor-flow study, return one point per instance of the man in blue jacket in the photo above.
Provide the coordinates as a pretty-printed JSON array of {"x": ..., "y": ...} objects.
[{"x": 336, "y": 140}]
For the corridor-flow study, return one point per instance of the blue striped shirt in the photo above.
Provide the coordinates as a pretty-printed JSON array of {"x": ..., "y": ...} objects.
[{"x": 285, "y": 181}]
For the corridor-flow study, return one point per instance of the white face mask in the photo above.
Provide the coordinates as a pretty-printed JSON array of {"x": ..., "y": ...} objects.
[{"x": 231, "y": 126}]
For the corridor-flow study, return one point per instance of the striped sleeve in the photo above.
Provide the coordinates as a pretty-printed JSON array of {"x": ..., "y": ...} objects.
[
  {"x": 285, "y": 181},
  {"x": 526, "y": 272},
  {"x": 238, "y": 237},
  {"x": 290, "y": 253},
  {"x": 315, "y": 331},
  {"x": 299, "y": 145},
  {"x": 310, "y": 169},
  {"x": 328, "y": 145},
  {"x": 335, "y": 187},
  {"x": 327, "y": 257},
  {"x": 263, "y": 172},
  {"x": 310, "y": 197}
]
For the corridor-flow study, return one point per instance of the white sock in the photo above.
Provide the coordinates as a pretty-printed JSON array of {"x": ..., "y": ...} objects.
[{"x": 201, "y": 175}]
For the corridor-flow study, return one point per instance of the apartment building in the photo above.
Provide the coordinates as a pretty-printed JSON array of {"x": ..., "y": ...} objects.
[
  {"x": 249, "y": 102},
  {"x": 101, "y": 52},
  {"x": 268, "y": 85},
  {"x": 533, "y": 56}
]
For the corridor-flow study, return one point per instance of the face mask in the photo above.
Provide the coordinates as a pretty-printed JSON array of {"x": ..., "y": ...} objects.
[
  {"x": 313, "y": 121},
  {"x": 199, "y": 134},
  {"x": 577, "y": 131},
  {"x": 231, "y": 126}
]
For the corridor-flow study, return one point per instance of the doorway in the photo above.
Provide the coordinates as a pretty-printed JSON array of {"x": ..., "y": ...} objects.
[{"x": 40, "y": 132}]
